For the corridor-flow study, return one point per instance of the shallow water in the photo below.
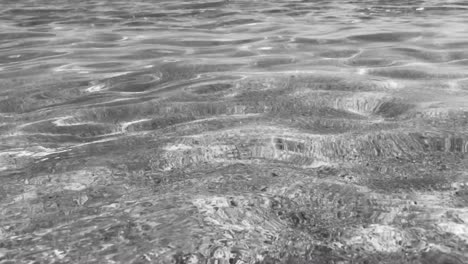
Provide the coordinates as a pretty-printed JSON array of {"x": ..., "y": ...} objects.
[{"x": 233, "y": 131}]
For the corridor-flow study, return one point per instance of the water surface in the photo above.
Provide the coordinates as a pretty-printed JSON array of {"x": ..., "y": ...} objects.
[{"x": 233, "y": 131}]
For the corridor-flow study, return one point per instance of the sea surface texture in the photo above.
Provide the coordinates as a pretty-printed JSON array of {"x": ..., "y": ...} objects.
[{"x": 234, "y": 132}]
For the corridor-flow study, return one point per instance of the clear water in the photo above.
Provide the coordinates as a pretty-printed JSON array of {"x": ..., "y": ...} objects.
[{"x": 234, "y": 131}]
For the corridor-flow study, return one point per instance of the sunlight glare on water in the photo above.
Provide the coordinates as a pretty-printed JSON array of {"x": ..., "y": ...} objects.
[{"x": 234, "y": 131}]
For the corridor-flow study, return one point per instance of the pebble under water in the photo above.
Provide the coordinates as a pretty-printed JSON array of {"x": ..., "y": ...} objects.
[{"x": 234, "y": 132}]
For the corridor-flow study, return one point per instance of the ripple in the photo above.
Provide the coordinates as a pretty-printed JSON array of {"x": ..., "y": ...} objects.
[
  {"x": 36, "y": 11},
  {"x": 133, "y": 82},
  {"x": 212, "y": 88},
  {"x": 313, "y": 81},
  {"x": 412, "y": 74},
  {"x": 197, "y": 5},
  {"x": 107, "y": 37},
  {"x": 317, "y": 41},
  {"x": 105, "y": 65},
  {"x": 148, "y": 54},
  {"x": 142, "y": 23},
  {"x": 29, "y": 55},
  {"x": 299, "y": 149},
  {"x": 97, "y": 45},
  {"x": 423, "y": 55},
  {"x": 7, "y": 37},
  {"x": 199, "y": 42},
  {"x": 386, "y": 37},
  {"x": 335, "y": 54},
  {"x": 83, "y": 130},
  {"x": 371, "y": 62},
  {"x": 460, "y": 62},
  {"x": 373, "y": 103},
  {"x": 271, "y": 62}
]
